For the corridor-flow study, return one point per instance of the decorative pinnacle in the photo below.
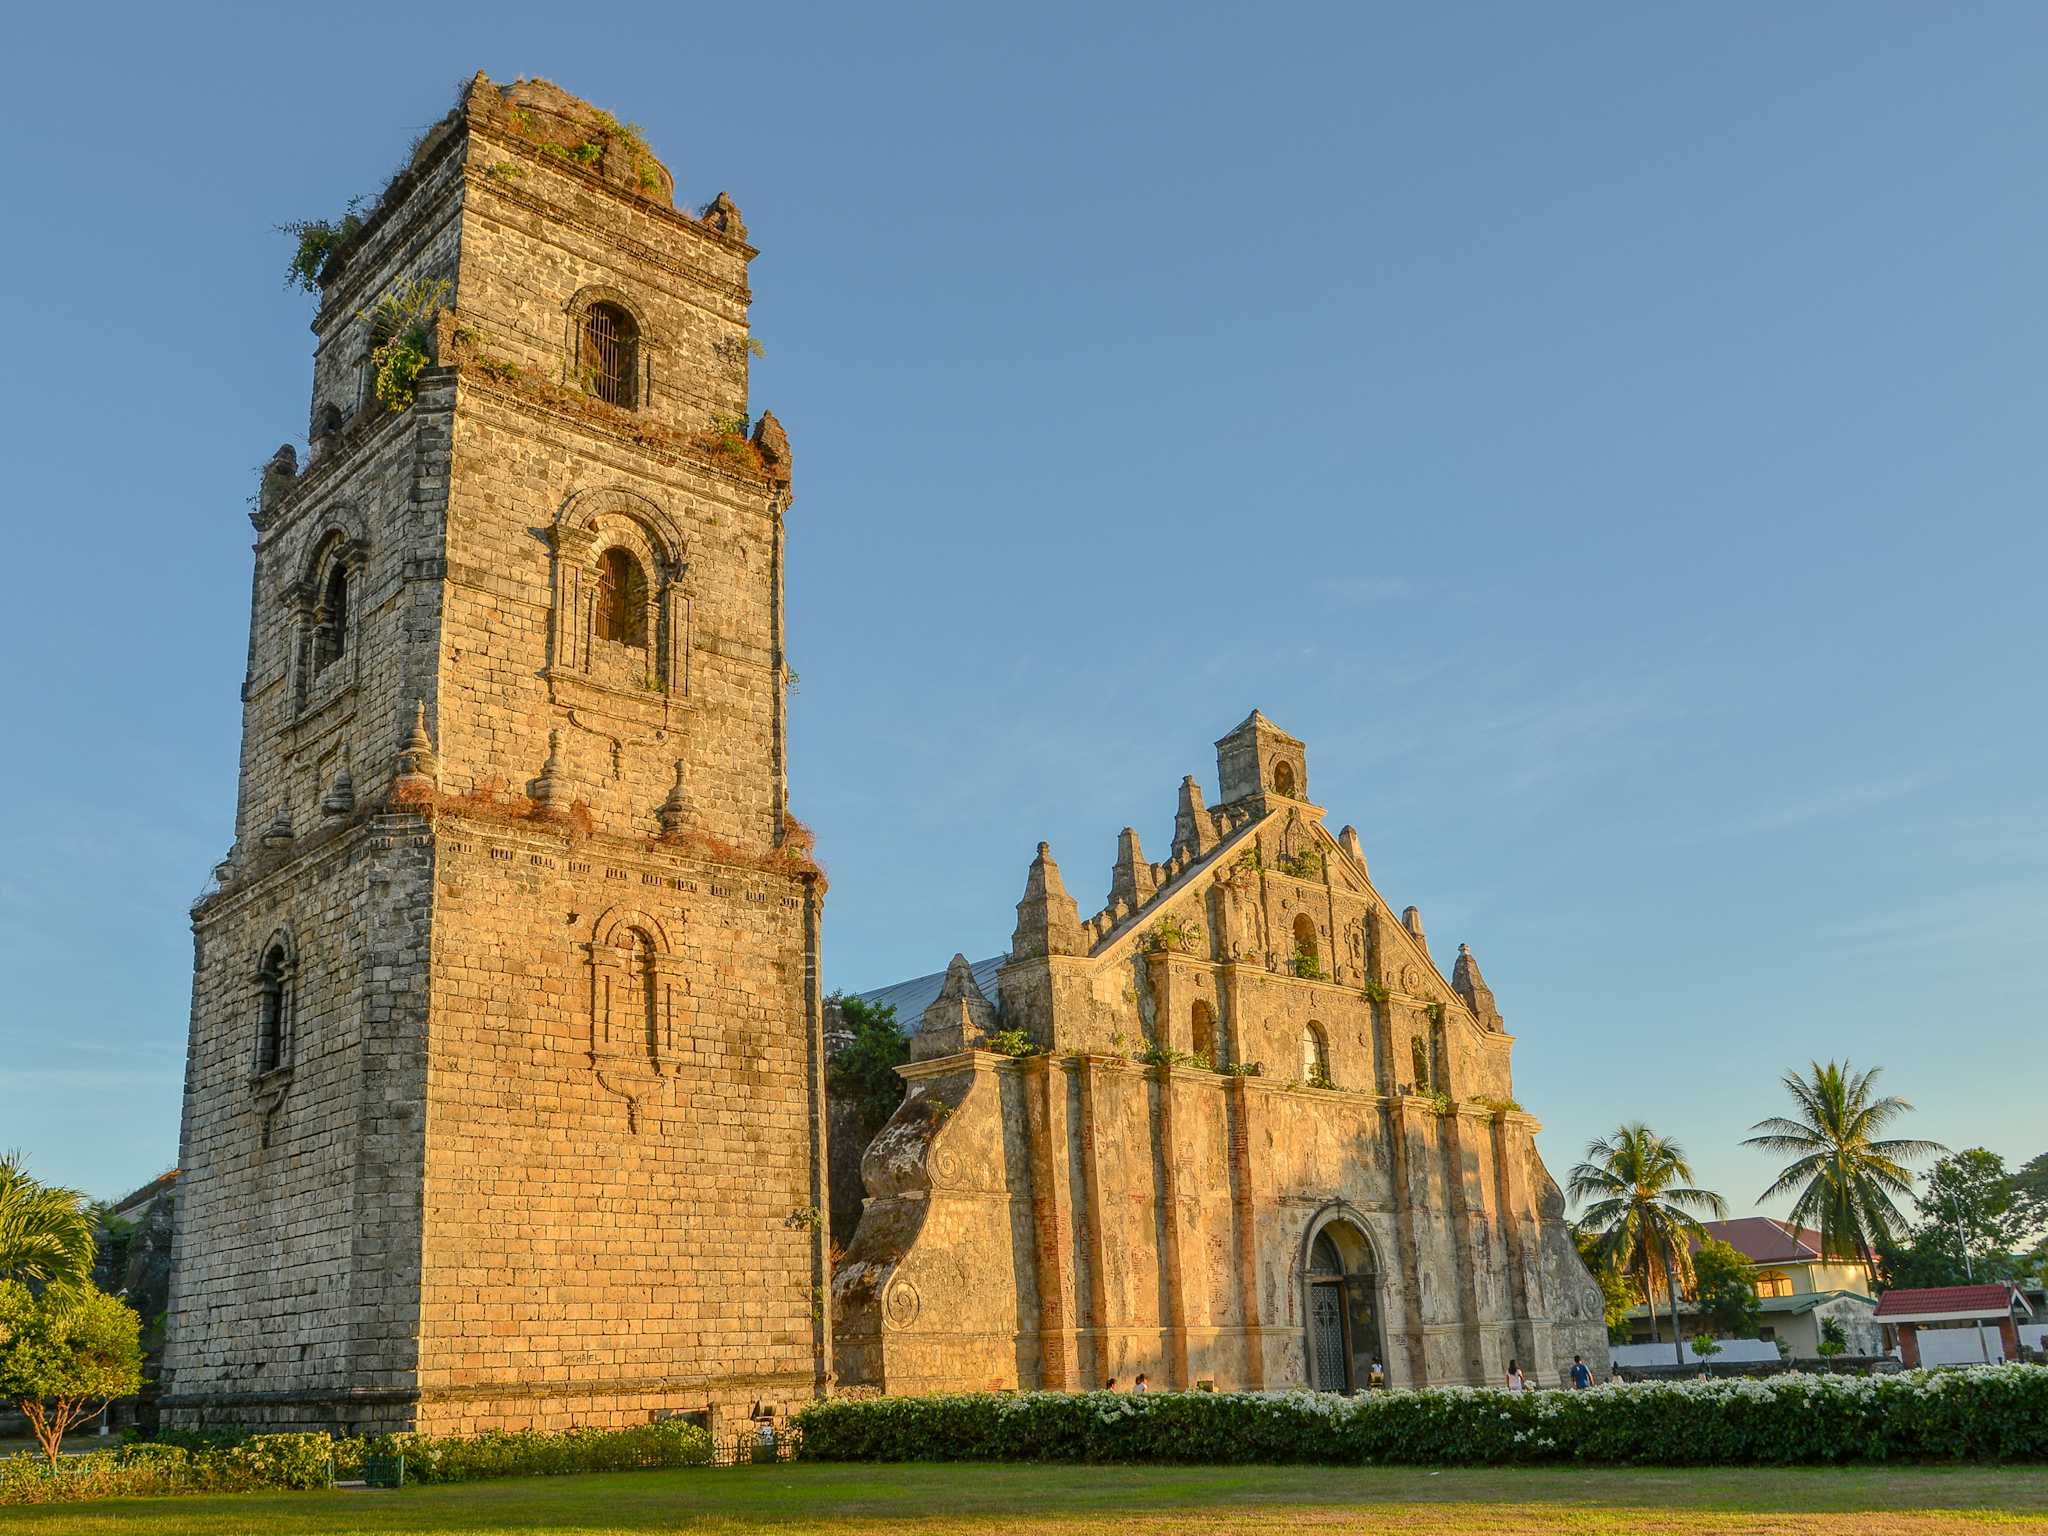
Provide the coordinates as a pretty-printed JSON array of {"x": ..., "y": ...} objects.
[
  {"x": 416, "y": 759},
  {"x": 1048, "y": 923},
  {"x": 340, "y": 798},
  {"x": 547, "y": 792},
  {"x": 675, "y": 809}
]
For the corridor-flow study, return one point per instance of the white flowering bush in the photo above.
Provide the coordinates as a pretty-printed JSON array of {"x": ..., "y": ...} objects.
[{"x": 1986, "y": 1413}]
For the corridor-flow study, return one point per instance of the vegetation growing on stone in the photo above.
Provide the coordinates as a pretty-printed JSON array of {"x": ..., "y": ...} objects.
[{"x": 403, "y": 322}]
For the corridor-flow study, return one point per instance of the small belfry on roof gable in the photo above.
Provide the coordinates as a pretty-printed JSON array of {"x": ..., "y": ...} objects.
[
  {"x": 1353, "y": 849},
  {"x": 1471, "y": 986},
  {"x": 959, "y": 1019},
  {"x": 1259, "y": 759},
  {"x": 1048, "y": 922}
]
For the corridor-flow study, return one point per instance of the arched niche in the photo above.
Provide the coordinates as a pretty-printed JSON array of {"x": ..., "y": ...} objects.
[{"x": 623, "y": 664}]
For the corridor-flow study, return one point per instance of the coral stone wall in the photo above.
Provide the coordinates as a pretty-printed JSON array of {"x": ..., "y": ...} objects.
[
  {"x": 617, "y": 1175},
  {"x": 549, "y": 1144}
]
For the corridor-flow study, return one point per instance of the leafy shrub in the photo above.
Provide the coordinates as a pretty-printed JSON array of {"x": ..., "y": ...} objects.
[
  {"x": 1985, "y": 1413},
  {"x": 1013, "y": 1042},
  {"x": 539, "y": 1453},
  {"x": 403, "y": 325},
  {"x": 227, "y": 1460}
]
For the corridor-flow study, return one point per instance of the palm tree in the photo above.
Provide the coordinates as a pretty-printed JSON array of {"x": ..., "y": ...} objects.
[
  {"x": 1846, "y": 1178},
  {"x": 1640, "y": 1186},
  {"x": 45, "y": 1233}
]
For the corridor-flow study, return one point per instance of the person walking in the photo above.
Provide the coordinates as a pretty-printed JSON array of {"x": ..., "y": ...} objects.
[
  {"x": 1515, "y": 1382},
  {"x": 1582, "y": 1375},
  {"x": 1141, "y": 1385}
]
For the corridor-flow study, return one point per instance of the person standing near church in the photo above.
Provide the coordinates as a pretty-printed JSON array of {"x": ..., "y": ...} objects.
[{"x": 1515, "y": 1382}]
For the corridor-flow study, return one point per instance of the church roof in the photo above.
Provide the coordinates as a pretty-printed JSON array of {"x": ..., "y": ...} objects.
[{"x": 911, "y": 998}]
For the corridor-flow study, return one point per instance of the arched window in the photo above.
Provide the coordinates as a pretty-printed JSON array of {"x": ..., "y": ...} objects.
[
  {"x": 330, "y": 420},
  {"x": 273, "y": 1005},
  {"x": 1308, "y": 959},
  {"x": 621, "y": 598},
  {"x": 1283, "y": 778},
  {"x": 610, "y": 360},
  {"x": 1315, "y": 1055},
  {"x": 330, "y": 635},
  {"x": 1418, "y": 1058},
  {"x": 1204, "y": 1030},
  {"x": 1773, "y": 1282}
]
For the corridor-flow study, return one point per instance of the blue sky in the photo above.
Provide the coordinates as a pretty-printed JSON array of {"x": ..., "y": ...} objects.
[{"x": 1610, "y": 436}]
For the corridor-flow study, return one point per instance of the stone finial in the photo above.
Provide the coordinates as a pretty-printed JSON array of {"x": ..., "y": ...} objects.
[
  {"x": 340, "y": 798},
  {"x": 416, "y": 760},
  {"x": 279, "y": 833},
  {"x": 773, "y": 444},
  {"x": 1191, "y": 829},
  {"x": 1348, "y": 841},
  {"x": 959, "y": 1019},
  {"x": 1132, "y": 880},
  {"x": 723, "y": 215},
  {"x": 675, "y": 810},
  {"x": 1411, "y": 919},
  {"x": 550, "y": 792},
  {"x": 279, "y": 474},
  {"x": 1470, "y": 985},
  {"x": 1048, "y": 922}
]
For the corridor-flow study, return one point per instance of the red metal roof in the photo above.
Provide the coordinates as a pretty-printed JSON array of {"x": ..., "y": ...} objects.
[
  {"x": 1945, "y": 1301},
  {"x": 1763, "y": 1240}
]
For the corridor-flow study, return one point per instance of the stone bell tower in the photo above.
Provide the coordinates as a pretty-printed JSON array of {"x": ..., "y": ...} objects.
[{"x": 503, "y": 1103}]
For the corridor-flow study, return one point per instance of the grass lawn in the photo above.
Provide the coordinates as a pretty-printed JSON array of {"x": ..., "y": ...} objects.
[{"x": 1127, "y": 1501}]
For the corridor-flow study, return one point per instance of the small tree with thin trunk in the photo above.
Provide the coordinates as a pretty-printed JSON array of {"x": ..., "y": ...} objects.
[{"x": 64, "y": 1355}]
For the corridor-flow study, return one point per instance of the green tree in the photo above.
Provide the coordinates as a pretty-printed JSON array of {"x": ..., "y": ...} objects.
[
  {"x": 1724, "y": 1283},
  {"x": 45, "y": 1232},
  {"x": 66, "y": 1354},
  {"x": 1641, "y": 1199},
  {"x": 1846, "y": 1177},
  {"x": 1923, "y": 1258},
  {"x": 1617, "y": 1291},
  {"x": 2030, "y": 1193},
  {"x": 864, "y": 1069},
  {"x": 1969, "y": 1197}
]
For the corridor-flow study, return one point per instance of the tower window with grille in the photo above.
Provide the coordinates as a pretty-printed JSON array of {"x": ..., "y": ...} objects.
[
  {"x": 621, "y": 599},
  {"x": 611, "y": 355},
  {"x": 273, "y": 1025}
]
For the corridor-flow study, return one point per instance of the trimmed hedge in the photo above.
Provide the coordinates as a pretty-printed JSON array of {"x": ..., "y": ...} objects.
[
  {"x": 223, "y": 1461},
  {"x": 1986, "y": 1413}
]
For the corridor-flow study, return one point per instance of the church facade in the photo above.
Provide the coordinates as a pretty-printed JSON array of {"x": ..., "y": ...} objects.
[
  {"x": 1235, "y": 1130},
  {"x": 503, "y": 1104}
]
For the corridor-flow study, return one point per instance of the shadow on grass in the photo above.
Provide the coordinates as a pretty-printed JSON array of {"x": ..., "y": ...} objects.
[{"x": 1125, "y": 1500}]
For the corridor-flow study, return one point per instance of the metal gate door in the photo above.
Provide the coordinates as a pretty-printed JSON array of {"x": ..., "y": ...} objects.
[{"x": 1326, "y": 1334}]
